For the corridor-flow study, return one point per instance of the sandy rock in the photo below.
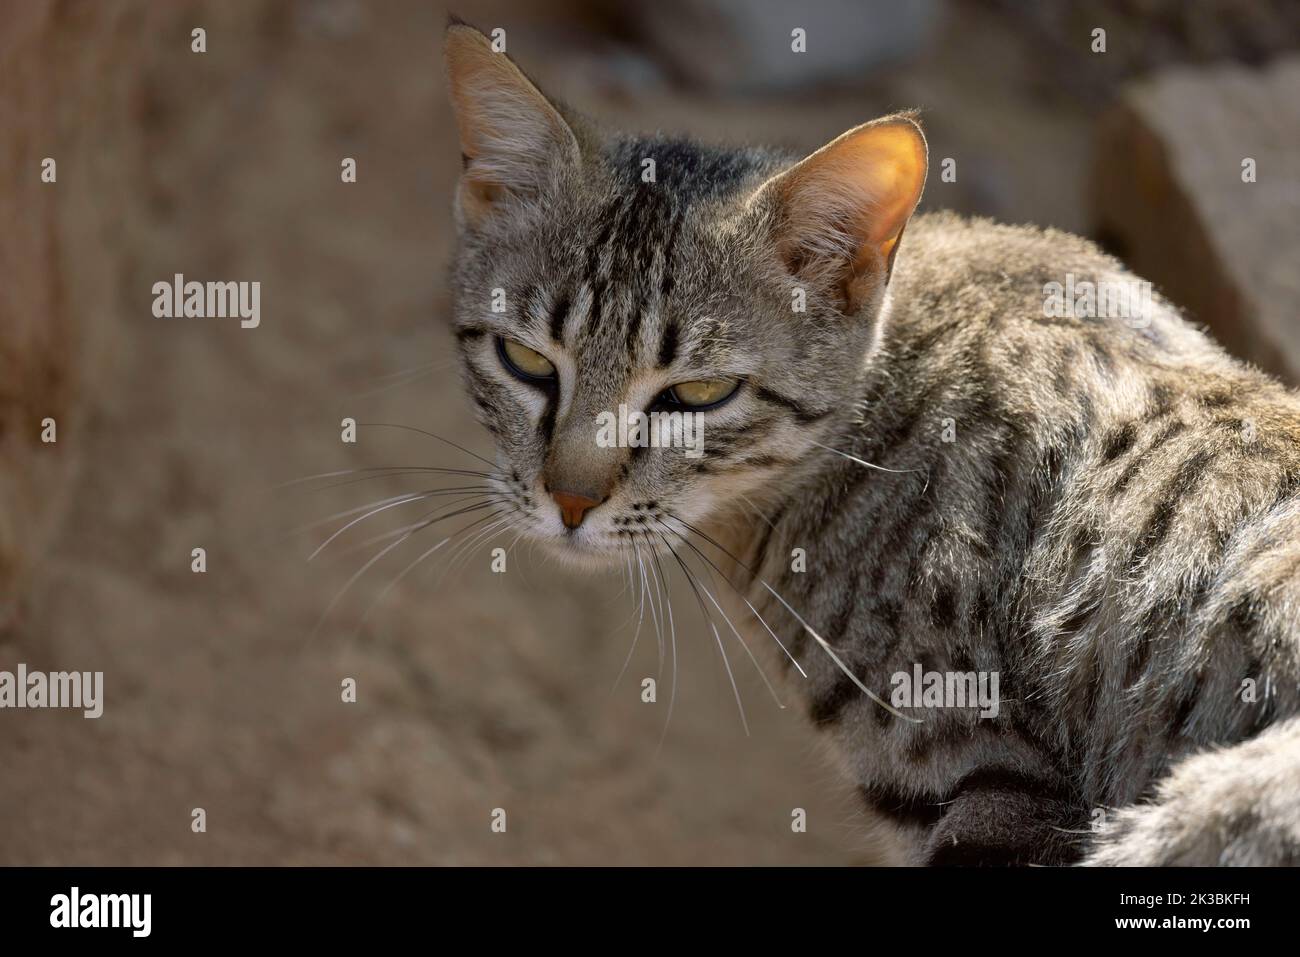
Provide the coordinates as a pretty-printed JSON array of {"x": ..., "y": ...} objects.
[{"x": 1169, "y": 197}]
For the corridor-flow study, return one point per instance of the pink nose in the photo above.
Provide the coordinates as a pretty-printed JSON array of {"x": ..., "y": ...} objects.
[{"x": 573, "y": 507}]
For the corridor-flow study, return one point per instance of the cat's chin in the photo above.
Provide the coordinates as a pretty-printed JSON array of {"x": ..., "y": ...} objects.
[{"x": 583, "y": 556}]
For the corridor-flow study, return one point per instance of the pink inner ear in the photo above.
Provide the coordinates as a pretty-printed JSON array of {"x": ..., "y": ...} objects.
[
  {"x": 893, "y": 162},
  {"x": 895, "y": 205},
  {"x": 854, "y": 196}
]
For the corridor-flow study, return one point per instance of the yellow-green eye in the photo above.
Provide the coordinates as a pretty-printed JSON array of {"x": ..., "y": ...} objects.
[
  {"x": 704, "y": 392},
  {"x": 525, "y": 362}
]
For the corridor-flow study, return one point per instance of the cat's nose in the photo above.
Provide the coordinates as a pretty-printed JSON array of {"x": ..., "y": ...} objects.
[{"x": 573, "y": 507}]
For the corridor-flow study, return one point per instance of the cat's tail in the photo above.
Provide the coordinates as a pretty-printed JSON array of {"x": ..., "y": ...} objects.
[{"x": 1238, "y": 805}]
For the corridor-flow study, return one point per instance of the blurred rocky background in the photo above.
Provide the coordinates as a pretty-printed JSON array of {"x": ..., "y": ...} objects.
[{"x": 475, "y": 691}]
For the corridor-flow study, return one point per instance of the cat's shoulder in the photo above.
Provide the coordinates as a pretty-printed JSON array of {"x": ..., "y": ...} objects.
[
  {"x": 949, "y": 242},
  {"x": 1040, "y": 289}
]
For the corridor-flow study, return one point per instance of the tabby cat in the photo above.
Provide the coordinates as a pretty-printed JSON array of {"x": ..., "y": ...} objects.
[{"x": 1104, "y": 513}]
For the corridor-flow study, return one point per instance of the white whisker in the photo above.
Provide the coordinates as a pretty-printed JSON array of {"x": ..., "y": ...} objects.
[
  {"x": 854, "y": 458},
  {"x": 726, "y": 662}
]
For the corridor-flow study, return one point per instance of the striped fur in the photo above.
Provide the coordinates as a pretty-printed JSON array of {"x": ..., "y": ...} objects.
[{"x": 1106, "y": 514}]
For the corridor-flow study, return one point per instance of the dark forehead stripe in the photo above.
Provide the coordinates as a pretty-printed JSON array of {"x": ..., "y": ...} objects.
[
  {"x": 617, "y": 258},
  {"x": 640, "y": 226},
  {"x": 559, "y": 312},
  {"x": 668, "y": 344},
  {"x": 597, "y": 279},
  {"x": 525, "y": 303},
  {"x": 689, "y": 171},
  {"x": 659, "y": 232},
  {"x": 596, "y": 311},
  {"x": 607, "y": 221},
  {"x": 642, "y": 229}
]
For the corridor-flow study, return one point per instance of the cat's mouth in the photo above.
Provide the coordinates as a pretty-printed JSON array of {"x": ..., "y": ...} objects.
[
  {"x": 587, "y": 533},
  {"x": 596, "y": 547},
  {"x": 600, "y": 541}
]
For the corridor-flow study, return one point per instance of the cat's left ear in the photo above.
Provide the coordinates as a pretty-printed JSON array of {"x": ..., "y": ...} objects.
[
  {"x": 511, "y": 136},
  {"x": 840, "y": 213}
]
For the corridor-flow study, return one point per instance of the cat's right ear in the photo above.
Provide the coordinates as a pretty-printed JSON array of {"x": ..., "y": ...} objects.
[{"x": 511, "y": 136}]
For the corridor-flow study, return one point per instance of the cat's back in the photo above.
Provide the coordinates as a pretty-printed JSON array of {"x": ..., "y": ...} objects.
[
  {"x": 1160, "y": 479},
  {"x": 1051, "y": 317},
  {"x": 1029, "y": 284}
]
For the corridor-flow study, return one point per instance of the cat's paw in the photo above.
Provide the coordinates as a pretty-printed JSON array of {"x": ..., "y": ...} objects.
[
  {"x": 1239, "y": 806},
  {"x": 1186, "y": 832}
]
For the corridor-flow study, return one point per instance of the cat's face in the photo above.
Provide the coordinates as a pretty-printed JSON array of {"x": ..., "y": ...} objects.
[{"x": 655, "y": 332}]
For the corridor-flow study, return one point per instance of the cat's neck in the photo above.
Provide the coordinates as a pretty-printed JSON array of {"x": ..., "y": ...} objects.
[{"x": 885, "y": 420}]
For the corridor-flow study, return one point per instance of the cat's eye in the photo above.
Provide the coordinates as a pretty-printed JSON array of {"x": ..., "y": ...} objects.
[
  {"x": 525, "y": 363},
  {"x": 703, "y": 393}
]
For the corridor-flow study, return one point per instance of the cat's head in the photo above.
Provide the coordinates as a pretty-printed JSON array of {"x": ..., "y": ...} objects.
[{"x": 601, "y": 275}]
